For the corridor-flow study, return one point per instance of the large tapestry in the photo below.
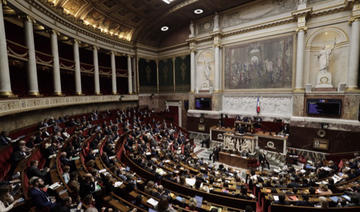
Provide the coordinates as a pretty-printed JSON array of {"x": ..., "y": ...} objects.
[
  {"x": 166, "y": 79},
  {"x": 261, "y": 64},
  {"x": 182, "y": 73},
  {"x": 147, "y": 76}
]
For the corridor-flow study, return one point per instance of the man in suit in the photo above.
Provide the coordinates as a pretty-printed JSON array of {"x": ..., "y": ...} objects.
[
  {"x": 40, "y": 198},
  {"x": 33, "y": 170}
]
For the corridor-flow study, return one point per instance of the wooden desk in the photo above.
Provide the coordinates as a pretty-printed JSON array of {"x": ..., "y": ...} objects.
[
  {"x": 236, "y": 160},
  {"x": 217, "y": 133}
]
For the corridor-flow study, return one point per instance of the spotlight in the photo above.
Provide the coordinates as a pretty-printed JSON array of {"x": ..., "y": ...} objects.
[
  {"x": 164, "y": 28},
  {"x": 198, "y": 11}
]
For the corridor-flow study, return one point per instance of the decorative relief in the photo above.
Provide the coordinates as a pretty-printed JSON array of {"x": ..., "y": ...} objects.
[
  {"x": 205, "y": 65},
  {"x": 205, "y": 26},
  {"x": 257, "y": 11},
  {"x": 12, "y": 106},
  {"x": 270, "y": 106}
]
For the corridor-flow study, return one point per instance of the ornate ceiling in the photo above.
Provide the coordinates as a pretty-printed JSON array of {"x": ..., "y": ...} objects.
[{"x": 140, "y": 20}]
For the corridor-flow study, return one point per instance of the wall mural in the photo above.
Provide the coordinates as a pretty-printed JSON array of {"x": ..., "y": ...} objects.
[
  {"x": 261, "y": 64},
  {"x": 182, "y": 73},
  {"x": 147, "y": 76},
  {"x": 166, "y": 79},
  {"x": 205, "y": 65}
]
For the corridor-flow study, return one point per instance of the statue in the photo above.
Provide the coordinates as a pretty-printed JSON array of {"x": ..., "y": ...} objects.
[
  {"x": 216, "y": 21},
  {"x": 192, "y": 29},
  {"x": 324, "y": 76},
  {"x": 324, "y": 57}
]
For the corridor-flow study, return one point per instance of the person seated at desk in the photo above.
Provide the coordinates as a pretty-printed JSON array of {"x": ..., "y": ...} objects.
[
  {"x": 323, "y": 190},
  {"x": 4, "y": 138},
  {"x": 39, "y": 197},
  {"x": 304, "y": 202},
  {"x": 282, "y": 200},
  {"x": 240, "y": 129},
  {"x": 33, "y": 170},
  {"x": 7, "y": 201}
]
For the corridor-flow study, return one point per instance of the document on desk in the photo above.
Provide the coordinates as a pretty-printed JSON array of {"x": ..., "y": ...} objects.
[
  {"x": 190, "y": 181},
  {"x": 54, "y": 186},
  {"x": 118, "y": 184},
  {"x": 152, "y": 202}
]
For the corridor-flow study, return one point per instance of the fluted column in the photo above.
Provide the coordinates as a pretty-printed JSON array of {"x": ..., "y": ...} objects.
[
  {"x": 56, "y": 63},
  {"x": 130, "y": 75},
  {"x": 96, "y": 71},
  {"x": 77, "y": 68},
  {"x": 113, "y": 73},
  {"x": 353, "y": 70},
  {"x": 5, "y": 85},
  {"x": 192, "y": 71},
  {"x": 301, "y": 14},
  {"x": 217, "y": 68},
  {"x": 31, "y": 66},
  {"x": 300, "y": 60}
]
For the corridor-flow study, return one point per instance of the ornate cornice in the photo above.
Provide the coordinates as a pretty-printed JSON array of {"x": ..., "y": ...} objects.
[
  {"x": 12, "y": 106},
  {"x": 71, "y": 24},
  {"x": 260, "y": 26}
]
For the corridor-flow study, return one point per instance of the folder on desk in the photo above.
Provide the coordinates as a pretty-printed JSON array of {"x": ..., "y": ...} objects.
[
  {"x": 346, "y": 197},
  {"x": 178, "y": 198},
  {"x": 199, "y": 201},
  {"x": 294, "y": 198},
  {"x": 334, "y": 198}
]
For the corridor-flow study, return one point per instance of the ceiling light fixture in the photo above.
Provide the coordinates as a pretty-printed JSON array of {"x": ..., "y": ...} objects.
[
  {"x": 164, "y": 28},
  {"x": 198, "y": 11},
  {"x": 168, "y": 1}
]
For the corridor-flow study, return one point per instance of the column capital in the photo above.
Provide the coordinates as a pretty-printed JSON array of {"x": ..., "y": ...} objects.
[
  {"x": 353, "y": 19},
  {"x": 96, "y": 48},
  {"x": 53, "y": 31},
  {"x": 76, "y": 41},
  {"x": 303, "y": 28},
  {"x": 29, "y": 18}
]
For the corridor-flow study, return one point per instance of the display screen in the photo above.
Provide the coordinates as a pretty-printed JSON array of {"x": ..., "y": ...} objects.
[
  {"x": 203, "y": 103},
  {"x": 324, "y": 107}
]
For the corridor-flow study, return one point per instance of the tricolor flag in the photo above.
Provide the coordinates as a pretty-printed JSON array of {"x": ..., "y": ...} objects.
[{"x": 258, "y": 106}]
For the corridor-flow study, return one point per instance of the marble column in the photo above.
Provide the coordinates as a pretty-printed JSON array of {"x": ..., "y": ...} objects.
[
  {"x": 134, "y": 81},
  {"x": 113, "y": 73},
  {"x": 192, "y": 71},
  {"x": 353, "y": 70},
  {"x": 96, "y": 70},
  {"x": 217, "y": 68},
  {"x": 31, "y": 65},
  {"x": 77, "y": 68},
  {"x": 5, "y": 85},
  {"x": 56, "y": 63},
  {"x": 300, "y": 60},
  {"x": 129, "y": 75}
]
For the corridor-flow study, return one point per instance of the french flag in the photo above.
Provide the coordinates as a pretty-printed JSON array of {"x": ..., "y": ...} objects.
[{"x": 258, "y": 106}]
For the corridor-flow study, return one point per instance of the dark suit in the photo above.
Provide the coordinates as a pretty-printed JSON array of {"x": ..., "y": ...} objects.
[
  {"x": 40, "y": 199},
  {"x": 34, "y": 171}
]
